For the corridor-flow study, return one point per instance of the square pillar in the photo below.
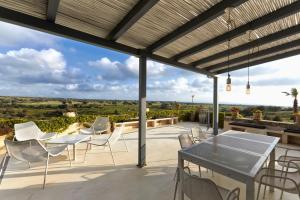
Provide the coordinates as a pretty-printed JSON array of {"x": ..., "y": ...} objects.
[
  {"x": 142, "y": 111},
  {"x": 215, "y": 107}
]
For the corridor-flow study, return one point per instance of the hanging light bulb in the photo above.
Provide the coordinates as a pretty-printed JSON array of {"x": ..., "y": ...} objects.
[
  {"x": 230, "y": 24},
  {"x": 249, "y": 51},
  {"x": 248, "y": 88},
  {"x": 228, "y": 83}
]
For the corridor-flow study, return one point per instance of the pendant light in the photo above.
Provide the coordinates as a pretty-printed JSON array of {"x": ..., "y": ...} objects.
[
  {"x": 249, "y": 51},
  {"x": 230, "y": 24}
]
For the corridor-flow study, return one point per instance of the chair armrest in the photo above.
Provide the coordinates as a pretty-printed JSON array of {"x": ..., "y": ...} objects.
[
  {"x": 284, "y": 178},
  {"x": 233, "y": 194},
  {"x": 289, "y": 162},
  {"x": 288, "y": 148}
]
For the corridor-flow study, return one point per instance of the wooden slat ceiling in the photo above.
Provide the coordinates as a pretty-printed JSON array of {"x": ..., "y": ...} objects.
[{"x": 100, "y": 17}]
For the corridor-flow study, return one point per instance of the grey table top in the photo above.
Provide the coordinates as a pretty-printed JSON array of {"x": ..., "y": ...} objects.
[
  {"x": 240, "y": 152},
  {"x": 69, "y": 139}
]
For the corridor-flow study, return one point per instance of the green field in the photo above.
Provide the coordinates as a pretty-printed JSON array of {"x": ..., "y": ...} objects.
[{"x": 45, "y": 108}]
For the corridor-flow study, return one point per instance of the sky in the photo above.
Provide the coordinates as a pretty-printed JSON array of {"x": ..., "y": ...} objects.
[{"x": 37, "y": 64}]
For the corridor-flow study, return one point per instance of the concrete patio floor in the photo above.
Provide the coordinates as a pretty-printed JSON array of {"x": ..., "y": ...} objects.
[{"x": 97, "y": 178}]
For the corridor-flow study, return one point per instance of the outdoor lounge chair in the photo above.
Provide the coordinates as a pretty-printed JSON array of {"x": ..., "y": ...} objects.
[
  {"x": 196, "y": 188},
  {"x": 30, "y": 151},
  {"x": 107, "y": 141},
  {"x": 186, "y": 141},
  {"x": 284, "y": 180},
  {"x": 100, "y": 125},
  {"x": 29, "y": 130},
  {"x": 198, "y": 135}
]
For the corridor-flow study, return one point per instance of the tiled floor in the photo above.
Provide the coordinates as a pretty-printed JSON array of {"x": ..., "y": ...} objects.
[{"x": 97, "y": 178}]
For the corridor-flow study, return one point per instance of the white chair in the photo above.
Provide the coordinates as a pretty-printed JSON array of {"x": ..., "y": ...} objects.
[
  {"x": 198, "y": 135},
  {"x": 107, "y": 141},
  {"x": 30, "y": 151},
  {"x": 196, "y": 188},
  {"x": 186, "y": 141},
  {"x": 29, "y": 130},
  {"x": 100, "y": 125},
  {"x": 285, "y": 180}
]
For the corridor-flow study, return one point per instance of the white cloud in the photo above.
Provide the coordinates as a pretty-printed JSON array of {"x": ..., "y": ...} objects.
[
  {"x": 128, "y": 70},
  {"x": 30, "y": 66},
  {"x": 17, "y": 36}
]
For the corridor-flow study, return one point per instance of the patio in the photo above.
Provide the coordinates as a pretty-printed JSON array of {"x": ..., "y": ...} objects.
[
  {"x": 97, "y": 178},
  {"x": 191, "y": 35}
]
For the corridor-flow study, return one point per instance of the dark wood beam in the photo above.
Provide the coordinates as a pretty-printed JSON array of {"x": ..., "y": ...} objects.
[
  {"x": 261, "y": 53},
  {"x": 262, "y": 61},
  {"x": 138, "y": 11},
  {"x": 21, "y": 19},
  {"x": 203, "y": 18},
  {"x": 52, "y": 10},
  {"x": 255, "y": 24},
  {"x": 261, "y": 41}
]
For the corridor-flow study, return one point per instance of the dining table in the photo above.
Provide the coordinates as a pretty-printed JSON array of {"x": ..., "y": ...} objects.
[{"x": 234, "y": 154}]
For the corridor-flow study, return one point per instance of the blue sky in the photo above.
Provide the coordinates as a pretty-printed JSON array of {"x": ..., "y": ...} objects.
[{"x": 38, "y": 64}]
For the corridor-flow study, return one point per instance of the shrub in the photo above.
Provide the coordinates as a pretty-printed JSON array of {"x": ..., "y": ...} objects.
[
  {"x": 221, "y": 119},
  {"x": 277, "y": 118}
]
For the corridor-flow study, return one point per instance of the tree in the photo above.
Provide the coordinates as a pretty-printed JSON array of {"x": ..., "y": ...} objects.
[{"x": 294, "y": 94}]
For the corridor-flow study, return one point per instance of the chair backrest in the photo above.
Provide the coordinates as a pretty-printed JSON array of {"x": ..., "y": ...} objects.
[
  {"x": 197, "y": 188},
  {"x": 198, "y": 133},
  {"x": 115, "y": 135},
  {"x": 30, "y": 150},
  {"x": 27, "y": 131},
  {"x": 101, "y": 123},
  {"x": 185, "y": 140}
]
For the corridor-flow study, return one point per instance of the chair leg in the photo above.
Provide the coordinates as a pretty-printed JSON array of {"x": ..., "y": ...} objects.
[
  {"x": 87, "y": 147},
  {"x": 199, "y": 168},
  {"x": 124, "y": 142},
  {"x": 111, "y": 153},
  {"x": 258, "y": 191},
  {"x": 176, "y": 186},
  {"x": 46, "y": 171},
  {"x": 281, "y": 195},
  {"x": 4, "y": 164},
  {"x": 69, "y": 155},
  {"x": 265, "y": 189}
]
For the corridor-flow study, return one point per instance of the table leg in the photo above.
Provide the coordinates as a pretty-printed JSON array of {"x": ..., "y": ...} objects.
[
  {"x": 180, "y": 176},
  {"x": 250, "y": 190},
  {"x": 74, "y": 152},
  {"x": 272, "y": 166}
]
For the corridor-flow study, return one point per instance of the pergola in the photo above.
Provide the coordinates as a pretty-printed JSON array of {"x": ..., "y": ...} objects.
[{"x": 188, "y": 34}]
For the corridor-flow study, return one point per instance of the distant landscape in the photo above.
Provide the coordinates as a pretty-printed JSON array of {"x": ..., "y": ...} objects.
[{"x": 37, "y": 108}]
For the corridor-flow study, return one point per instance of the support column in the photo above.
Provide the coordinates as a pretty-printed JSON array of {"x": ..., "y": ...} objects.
[
  {"x": 142, "y": 111},
  {"x": 215, "y": 107}
]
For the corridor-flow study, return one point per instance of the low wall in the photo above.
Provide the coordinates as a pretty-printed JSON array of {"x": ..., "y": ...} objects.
[
  {"x": 151, "y": 123},
  {"x": 266, "y": 127}
]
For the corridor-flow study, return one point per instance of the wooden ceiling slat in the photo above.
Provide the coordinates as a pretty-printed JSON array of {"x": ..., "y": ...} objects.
[
  {"x": 257, "y": 23},
  {"x": 195, "y": 23}
]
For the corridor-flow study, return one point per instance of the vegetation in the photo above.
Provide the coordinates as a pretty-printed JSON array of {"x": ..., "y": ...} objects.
[
  {"x": 294, "y": 94},
  {"x": 48, "y": 112}
]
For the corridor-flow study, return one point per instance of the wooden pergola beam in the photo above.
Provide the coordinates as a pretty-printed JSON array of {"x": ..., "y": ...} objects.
[
  {"x": 265, "y": 52},
  {"x": 262, "y": 61},
  {"x": 261, "y": 41},
  {"x": 203, "y": 18},
  {"x": 138, "y": 11},
  {"x": 52, "y": 10},
  {"x": 255, "y": 24}
]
